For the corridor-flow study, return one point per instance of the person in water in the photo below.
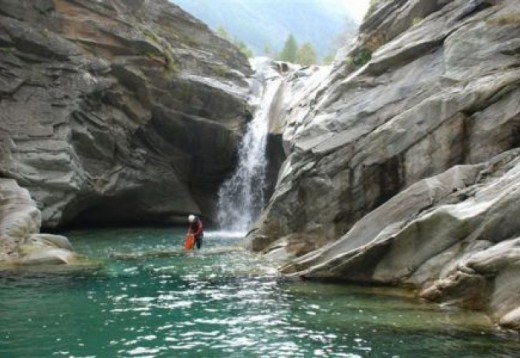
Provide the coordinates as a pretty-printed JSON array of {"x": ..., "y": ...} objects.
[{"x": 195, "y": 228}]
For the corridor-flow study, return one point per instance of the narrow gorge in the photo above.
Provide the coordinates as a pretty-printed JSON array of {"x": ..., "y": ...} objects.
[
  {"x": 398, "y": 165},
  {"x": 116, "y": 112}
]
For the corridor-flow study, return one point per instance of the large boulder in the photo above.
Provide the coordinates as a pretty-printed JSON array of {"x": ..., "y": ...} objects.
[
  {"x": 21, "y": 244},
  {"x": 399, "y": 168},
  {"x": 117, "y": 110},
  {"x": 453, "y": 236}
]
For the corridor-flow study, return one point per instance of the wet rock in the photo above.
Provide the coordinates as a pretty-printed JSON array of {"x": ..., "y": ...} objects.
[
  {"x": 453, "y": 236},
  {"x": 511, "y": 320}
]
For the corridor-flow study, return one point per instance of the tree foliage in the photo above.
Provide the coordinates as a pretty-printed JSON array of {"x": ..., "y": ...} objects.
[
  {"x": 306, "y": 55},
  {"x": 243, "y": 48},
  {"x": 268, "y": 51},
  {"x": 221, "y": 32},
  {"x": 327, "y": 60},
  {"x": 290, "y": 50}
]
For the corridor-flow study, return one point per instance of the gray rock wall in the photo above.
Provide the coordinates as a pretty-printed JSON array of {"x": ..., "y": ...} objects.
[
  {"x": 117, "y": 110},
  {"x": 399, "y": 167}
]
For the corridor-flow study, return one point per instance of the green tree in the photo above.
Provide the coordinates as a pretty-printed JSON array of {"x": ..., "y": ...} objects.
[
  {"x": 243, "y": 48},
  {"x": 306, "y": 55},
  {"x": 221, "y": 32},
  {"x": 327, "y": 60},
  {"x": 290, "y": 50},
  {"x": 268, "y": 51}
]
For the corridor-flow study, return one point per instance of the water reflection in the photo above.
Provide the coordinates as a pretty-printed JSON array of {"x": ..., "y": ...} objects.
[{"x": 220, "y": 302}]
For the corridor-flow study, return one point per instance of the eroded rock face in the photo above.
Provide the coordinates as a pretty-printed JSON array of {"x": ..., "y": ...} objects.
[
  {"x": 400, "y": 167},
  {"x": 21, "y": 244},
  {"x": 108, "y": 109}
]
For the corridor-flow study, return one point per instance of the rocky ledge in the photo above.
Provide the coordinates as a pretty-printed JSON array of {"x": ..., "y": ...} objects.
[{"x": 402, "y": 165}]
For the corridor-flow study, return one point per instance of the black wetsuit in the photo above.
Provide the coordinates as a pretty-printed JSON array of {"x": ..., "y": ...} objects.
[{"x": 197, "y": 230}]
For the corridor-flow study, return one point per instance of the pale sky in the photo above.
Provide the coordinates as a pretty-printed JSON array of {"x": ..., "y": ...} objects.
[{"x": 357, "y": 8}]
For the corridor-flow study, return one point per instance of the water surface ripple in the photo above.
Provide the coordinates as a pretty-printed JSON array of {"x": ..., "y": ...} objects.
[{"x": 151, "y": 300}]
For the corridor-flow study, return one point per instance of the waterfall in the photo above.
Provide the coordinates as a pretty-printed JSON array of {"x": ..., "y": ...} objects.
[{"x": 241, "y": 197}]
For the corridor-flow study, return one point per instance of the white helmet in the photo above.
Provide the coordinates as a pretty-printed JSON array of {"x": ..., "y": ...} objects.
[{"x": 191, "y": 218}]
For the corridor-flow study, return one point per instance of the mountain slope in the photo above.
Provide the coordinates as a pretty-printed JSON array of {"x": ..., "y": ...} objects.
[{"x": 261, "y": 23}]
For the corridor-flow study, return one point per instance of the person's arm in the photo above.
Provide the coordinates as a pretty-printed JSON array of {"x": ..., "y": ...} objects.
[{"x": 199, "y": 229}]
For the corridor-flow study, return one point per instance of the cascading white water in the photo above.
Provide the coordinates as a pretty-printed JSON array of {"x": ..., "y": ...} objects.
[{"x": 241, "y": 197}]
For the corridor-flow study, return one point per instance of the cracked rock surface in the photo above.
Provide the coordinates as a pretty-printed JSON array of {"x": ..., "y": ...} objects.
[
  {"x": 117, "y": 111},
  {"x": 402, "y": 167}
]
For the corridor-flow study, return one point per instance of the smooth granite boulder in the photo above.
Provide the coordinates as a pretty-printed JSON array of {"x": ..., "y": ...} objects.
[{"x": 20, "y": 242}]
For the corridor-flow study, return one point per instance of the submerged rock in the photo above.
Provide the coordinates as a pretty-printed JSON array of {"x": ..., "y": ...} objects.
[
  {"x": 117, "y": 110},
  {"x": 401, "y": 165}
]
